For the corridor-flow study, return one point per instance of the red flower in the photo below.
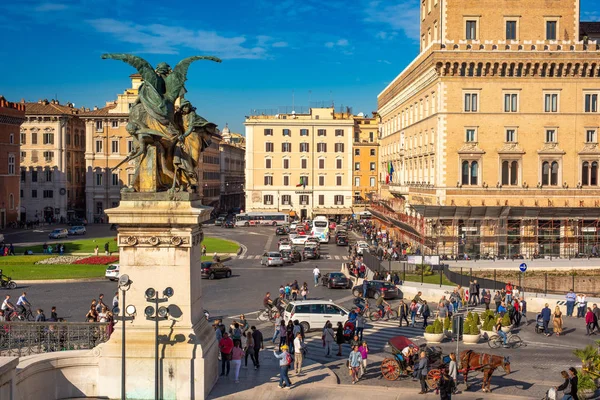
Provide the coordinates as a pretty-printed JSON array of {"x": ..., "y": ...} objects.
[{"x": 97, "y": 260}]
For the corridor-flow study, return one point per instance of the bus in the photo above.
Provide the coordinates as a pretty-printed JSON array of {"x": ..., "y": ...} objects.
[
  {"x": 320, "y": 229},
  {"x": 261, "y": 218}
]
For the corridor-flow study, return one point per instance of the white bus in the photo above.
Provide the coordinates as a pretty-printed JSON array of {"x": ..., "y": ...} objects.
[
  {"x": 320, "y": 229},
  {"x": 261, "y": 218}
]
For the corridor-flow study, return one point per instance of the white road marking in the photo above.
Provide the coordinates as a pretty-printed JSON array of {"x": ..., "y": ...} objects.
[{"x": 244, "y": 250}]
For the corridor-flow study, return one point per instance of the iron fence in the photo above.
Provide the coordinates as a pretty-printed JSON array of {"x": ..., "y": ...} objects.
[{"x": 27, "y": 338}]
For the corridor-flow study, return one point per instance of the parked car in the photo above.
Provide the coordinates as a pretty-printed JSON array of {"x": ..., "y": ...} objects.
[
  {"x": 293, "y": 226},
  {"x": 376, "y": 289},
  {"x": 282, "y": 230},
  {"x": 361, "y": 247},
  {"x": 300, "y": 239},
  {"x": 291, "y": 255},
  {"x": 314, "y": 240},
  {"x": 58, "y": 234},
  {"x": 341, "y": 240},
  {"x": 311, "y": 253},
  {"x": 285, "y": 246},
  {"x": 219, "y": 221},
  {"x": 313, "y": 314},
  {"x": 76, "y": 230},
  {"x": 336, "y": 280},
  {"x": 78, "y": 221},
  {"x": 228, "y": 224},
  {"x": 112, "y": 272},
  {"x": 212, "y": 270},
  {"x": 271, "y": 258}
]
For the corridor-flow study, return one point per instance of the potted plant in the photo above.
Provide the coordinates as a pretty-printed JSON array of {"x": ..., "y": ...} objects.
[
  {"x": 506, "y": 325},
  {"x": 476, "y": 319},
  {"x": 471, "y": 332},
  {"x": 590, "y": 360},
  {"x": 487, "y": 329},
  {"x": 434, "y": 333},
  {"x": 448, "y": 327},
  {"x": 586, "y": 386}
]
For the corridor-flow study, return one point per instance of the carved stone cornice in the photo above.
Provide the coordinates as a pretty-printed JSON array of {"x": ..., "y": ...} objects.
[
  {"x": 590, "y": 149},
  {"x": 511, "y": 148},
  {"x": 551, "y": 148},
  {"x": 154, "y": 241},
  {"x": 471, "y": 148}
]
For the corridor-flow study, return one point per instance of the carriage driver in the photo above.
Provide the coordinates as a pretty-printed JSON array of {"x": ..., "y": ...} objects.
[{"x": 407, "y": 355}]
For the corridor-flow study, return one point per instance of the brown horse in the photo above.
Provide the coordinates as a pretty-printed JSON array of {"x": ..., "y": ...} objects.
[{"x": 487, "y": 363}]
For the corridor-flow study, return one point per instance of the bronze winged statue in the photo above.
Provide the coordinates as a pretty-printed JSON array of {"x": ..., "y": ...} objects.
[{"x": 156, "y": 125}]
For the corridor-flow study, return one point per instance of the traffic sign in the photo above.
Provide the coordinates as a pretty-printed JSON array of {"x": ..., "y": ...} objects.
[{"x": 523, "y": 267}]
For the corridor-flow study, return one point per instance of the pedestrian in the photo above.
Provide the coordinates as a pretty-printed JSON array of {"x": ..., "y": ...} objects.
[
  {"x": 446, "y": 385},
  {"x": 354, "y": 363},
  {"x": 316, "y": 275},
  {"x": 425, "y": 313},
  {"x": 115, "y": 302},
  {"x": 565, "y": 387},
  {"x": 298, "y": 353},
  {"x": 339, "y": 338},
  {"x": 360, "y": 326},
  {"x": 365, "y": 287},
  {"x": 96, "y": 251},
  {"x": 413, "y": 312},
  {"x": 236, "y": 332},
  {"x": 402, "y": 313},
  {"x": 100, "y": 303},
  {"x": 573, "y": 385},
  {"x": 472, "y": 293},
  {"x": 581, "y": 305},
  {"x": 226, "y": 347},
  {"x": 329, "y": 339},
  {"x": 517, "y": 307},
  {"x": 203, "y": 250},
  {"x": 589, "y": 322},
  {"x": 364, "y": 353},
  {"x": 53, "y": 315},
  {"x": 442, "y": 311},
  {"x": 453, "y": 370},
  {"x": 282, "y": 334},
  {"x": 487, "y": 298},
  {"x": 596, "y": 312},
  {"x": 546, "y": 314},
  {"x": 570, "y": 297},
  {"x": 557, "y": 321},
  {"x": 421, "y": 372},
  {"x": 249, "y": 350},
  {"x": 40, "y": 317},
  {"x": 259, "y": 345},
  {"x": 477, "y": 287},
  {"x": 106, "y": 247},
  {"x": 284, "y": 365},
  {"x": 304, "y": 291},
  {"x": 236, "y": 359},
  {"x": 289, "y": 333}
]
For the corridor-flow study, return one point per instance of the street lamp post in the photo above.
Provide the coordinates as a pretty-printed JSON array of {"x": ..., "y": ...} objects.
[{"x": 157, "y": 314}]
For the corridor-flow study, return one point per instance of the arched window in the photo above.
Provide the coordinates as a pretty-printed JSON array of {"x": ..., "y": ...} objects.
[
  {"x": 585, "y": 170},
  {"x": 594, "y": 174},
  {"x": 474, "y": 173},
  {"x": 11, "y": 201},
  {"x": 554, "y": 174},
  {"x": 514, "y": 173},
  {"x": 505, "y": 173},
  {"x": 545, "y": 173},
  {"x": 465, "y": 173}
]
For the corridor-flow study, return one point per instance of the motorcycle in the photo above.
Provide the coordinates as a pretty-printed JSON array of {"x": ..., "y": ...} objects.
[{"x": 6, "y": 282}]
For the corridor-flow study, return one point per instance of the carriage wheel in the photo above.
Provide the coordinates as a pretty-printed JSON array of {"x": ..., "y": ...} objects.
[
  {"x": 390, "y": 369},
  {"x": 433, "y": 378}
]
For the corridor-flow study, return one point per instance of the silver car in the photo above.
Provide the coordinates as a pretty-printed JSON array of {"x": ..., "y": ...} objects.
[{"x": 271, "y": 258}]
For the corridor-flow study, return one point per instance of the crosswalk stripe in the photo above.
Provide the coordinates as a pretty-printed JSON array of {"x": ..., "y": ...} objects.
[{"x": 257, "y": 257}]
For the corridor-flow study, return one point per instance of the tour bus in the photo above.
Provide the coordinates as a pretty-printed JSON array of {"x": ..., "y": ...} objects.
[
  {"x": 261, "y": 218},
  {"x": 320, "y": 229}
]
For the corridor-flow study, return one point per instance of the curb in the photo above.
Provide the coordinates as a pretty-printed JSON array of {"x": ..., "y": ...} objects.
[{"x": 40, "y": 282}]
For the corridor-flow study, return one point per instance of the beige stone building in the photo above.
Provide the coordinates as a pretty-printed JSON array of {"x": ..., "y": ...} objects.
[
  {"x": 209, "y": 173},
  {"x": 492, "y": 130},
  {"x": 365, "y": 166},
  {"x": 107, "y": 144},
  {"x": 300, "y": 162},
  {"x": 233, "y": 154},
  {"x": 52, "y": 162}
]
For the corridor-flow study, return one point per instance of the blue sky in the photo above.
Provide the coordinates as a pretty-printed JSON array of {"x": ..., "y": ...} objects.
[{"x": 272, "y": 51}]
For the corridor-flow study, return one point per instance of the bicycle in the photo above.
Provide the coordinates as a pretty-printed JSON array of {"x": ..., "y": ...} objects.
[
  {"x": 27, "y": 315},
  {"x": 268, "y": 314},
  {"x": 377, "y": 314},
  {"x": 512, "y": 341}
]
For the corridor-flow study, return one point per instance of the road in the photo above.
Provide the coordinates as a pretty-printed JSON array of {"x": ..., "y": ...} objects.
[{"x": 534, "y": 367}]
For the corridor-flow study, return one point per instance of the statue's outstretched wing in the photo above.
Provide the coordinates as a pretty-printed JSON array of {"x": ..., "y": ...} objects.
[
  {"x": 175, "y": 80},
  {"x": 143, "y": 66}
]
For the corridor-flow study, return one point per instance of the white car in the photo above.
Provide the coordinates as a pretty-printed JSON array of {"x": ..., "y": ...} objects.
[
  {"x": 285, "y": 246},
  {"x": 58, "y": 234},
  {"x": 313, "y": 314},
  {"x": 77, "y": 230},
  {"x": 271, "y": 258},
  {"x": 112, "y": 272},
  {"x": 361, "y": 247},
  {"x": 293, "y": 226},
  {"x": 300, "y": 239}
]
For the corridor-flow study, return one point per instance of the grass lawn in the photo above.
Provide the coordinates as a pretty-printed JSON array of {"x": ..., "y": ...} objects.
[
  {"x": 29, "y": 271},
  {"x": 219, "y": 245},
  {"x": 75, "y": 246},
  {"x": 434, "y": 279},
  {"x": 20, "y": 260}
]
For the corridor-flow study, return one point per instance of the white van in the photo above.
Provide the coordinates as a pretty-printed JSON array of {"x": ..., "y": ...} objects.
[{"x": 313, "y": 314}]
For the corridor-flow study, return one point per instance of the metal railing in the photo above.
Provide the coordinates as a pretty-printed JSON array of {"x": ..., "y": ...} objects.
[{"x": 27, "y": 338}]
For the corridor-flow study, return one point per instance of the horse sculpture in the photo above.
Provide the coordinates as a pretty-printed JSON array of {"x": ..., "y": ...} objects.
[{"x": 487, "y": 363}]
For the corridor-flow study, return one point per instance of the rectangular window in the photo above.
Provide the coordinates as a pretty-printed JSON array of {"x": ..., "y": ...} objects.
[
  {"x": 551, "y": 30},
  {"x": 98, "y": 146},
  {"x": 338, "y": 163},
  {"x": 33, "y": 176},
  {"x": 372, "y": 181},
  {"x": 11, "y": 164},
  {"x": 129, "y": 146},
  {"x": 339, "y": 147},
  {"x": 286, "y": 180},
  {"x": 23, "y": 175},
  {"x": 99, "y": 179},
  {"x": 338, "y": 180},
  {"x": 303, "y": 132},
  {"x": 114, "y": 123},
  {"x": 303, "y": 163},
  {"x": 551, "y": 102},
  {"x": 321, "y": 147},
  {"x": 269, "y": 148},
  {"x": 357, "y": 166},
  {"x": 23, "y": 138},
  {"x": 48, "y": 194},
  {"x": 268, "y": 199},
  {"x": 321, "y": 180},
  {"x": 590, "y": 136},
  {"x": 48, "y": 156},
  {"x": 303, "y": 199},
  {"x": 550, "y": 135},
  {"x": 357, "y": 181},
  {"x": 357, "y": 152},
  {"x": 115, "y": 179},
  {"x": 321, "y": 163},
  {"x": 268, "y": 132},
  {"x": 321, "y": 199},
  {"x": 114, "y": 146},
  {"x": 471, "y": 102},
  {"x": 23, "y": 155},
  {"x": 48, "y": 138},
  {"x": 268, "y": 163},
  {"x": 372, "y": 152},
  {"x": 286, "y": 147},
  {"x": 268, "y": 180},
  {"x": 471, "y": 30},
  {"x": 286, "y": 199},
  {"x": 511, "y": 101},
  {"x": 321, "y": 132},
  {"x": 511, "y": 136},
  {"x": 511, "y": 30},
  {"x": 99, "y": 207},
  {"x": 99, "y": 126},
  {"x": 338, "y": 200},
  {"x": 286, "y": 163},
  {"x": 33, "y": 137},
  {"x": 287, "y": 132},
  {"x": 34, "y": 194},
  {"x": 591, "y": 102},
  {"x": 304, "y": 148},
  {"x": 48, "y": 175},
  {"x": 372, "y": 166},
  {"x": 470, "y": 135},
  {"x": 339, "y": 132}
]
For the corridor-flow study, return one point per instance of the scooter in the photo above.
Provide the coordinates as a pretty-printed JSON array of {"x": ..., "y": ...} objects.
[{"x": 6, "y": 282}]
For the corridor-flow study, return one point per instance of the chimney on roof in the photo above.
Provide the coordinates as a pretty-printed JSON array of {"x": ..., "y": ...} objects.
[{"x": 23, "y": 101}]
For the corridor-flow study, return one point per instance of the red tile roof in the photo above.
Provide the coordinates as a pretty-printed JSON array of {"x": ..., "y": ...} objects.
[
  {"x": 102, "y": 112},
  {"x": 48, "y": 108}
]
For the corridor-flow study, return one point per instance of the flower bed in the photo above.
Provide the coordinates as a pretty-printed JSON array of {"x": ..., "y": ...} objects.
[
  {"x": 97, "y": 260},
  {"x": 60, "y": 260}
]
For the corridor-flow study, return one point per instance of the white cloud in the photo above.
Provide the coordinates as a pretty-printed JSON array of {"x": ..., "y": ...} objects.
[
  {"x": 398, "y": 15},
  {"x": 384, "y": 61},
  {"x": 593, "y": 16},
  {"x": 44, "y": 7},
  {"x": 163, "y": 39},
  {"x": 339, "y": 43},
  {"x": 386, "y": 35},
  {"x": 280, "y": 44}
]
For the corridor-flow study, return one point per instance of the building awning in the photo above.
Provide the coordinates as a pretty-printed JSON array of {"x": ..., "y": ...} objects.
[
  {"x": 332, "y": 211},
  {"x": 453, "y": 212}
]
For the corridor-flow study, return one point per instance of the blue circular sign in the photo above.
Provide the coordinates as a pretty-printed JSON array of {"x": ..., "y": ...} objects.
[{"x": 523, "y": 267}]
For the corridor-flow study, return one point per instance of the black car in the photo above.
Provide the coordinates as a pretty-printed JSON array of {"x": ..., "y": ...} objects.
[
  {"x": 282, "y": 230},
  {"x": 212, "y": 270},
  {"x": 311, "y": 252},
  {"x": 291, "y": 256},
  {"x": 228, "y": 224},
  {"x": 341, "y": 240},
  {"x": 78, "y": 222},
  {"x": 378, "y": 288},
  {"x": 336, "y": 280}
]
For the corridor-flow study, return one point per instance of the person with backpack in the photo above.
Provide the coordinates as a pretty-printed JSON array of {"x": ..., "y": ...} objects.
[
  {"x": 285, "y": 360},
  {"x": 510, "y": 309}
]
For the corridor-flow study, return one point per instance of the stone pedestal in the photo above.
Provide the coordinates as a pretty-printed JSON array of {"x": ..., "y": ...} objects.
[{"x": 159, "y": 244}]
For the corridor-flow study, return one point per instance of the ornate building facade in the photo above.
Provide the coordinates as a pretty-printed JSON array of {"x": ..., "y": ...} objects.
[
  {"x": 365, "y": 167},
  {"x": 233, "y": 154},
  {"x": 52, "y": 162},
  {"x": 492, "y": 130},
  {"x": 12, "y": 115}
]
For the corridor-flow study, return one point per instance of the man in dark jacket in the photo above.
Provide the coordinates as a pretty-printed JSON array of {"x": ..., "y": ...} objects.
[
  {"x": 403, "y": 312},
  {"x": 546, "y": 315},
  {"x": 257, "y": 337},
  {"x": 421, "y": 371},
  {"x": 596, "y": 312}
]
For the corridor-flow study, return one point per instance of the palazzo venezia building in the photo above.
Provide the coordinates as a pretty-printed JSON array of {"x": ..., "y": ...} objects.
[
  {"x": 492, "y": 130},
  {"x": 300, "y": 162},
  {"x": 12, "y": 116}
]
